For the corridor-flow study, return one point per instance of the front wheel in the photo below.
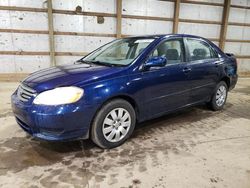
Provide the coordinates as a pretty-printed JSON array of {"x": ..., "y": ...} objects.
[
  {"x": 219, "y": 96},
  {"x": 113, "y": 124}
]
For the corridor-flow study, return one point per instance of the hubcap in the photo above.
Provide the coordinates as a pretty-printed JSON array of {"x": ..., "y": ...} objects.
[
  {"x": 221, "y": 95},
  {"x": 116, "y": 125}
]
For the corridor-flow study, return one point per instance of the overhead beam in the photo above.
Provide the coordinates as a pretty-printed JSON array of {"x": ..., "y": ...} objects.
[
  {"x": 239, "y": 6},
  {"x": 118, "y": 18},
  {"x": 223, "y": 31},
  {"x": 200, "y": 21},
  {"x": 51, "y": 34},
  {"x": 156, "y": 18},
  {"x": 176, "y": 16},
  {"x": 201, "y": 3},
  {"x": 239, "y": 24},
  {"x": 44, "y": 53}
]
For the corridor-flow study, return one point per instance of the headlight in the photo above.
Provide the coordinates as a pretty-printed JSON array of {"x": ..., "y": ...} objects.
[{"x": 60, "y": 95}]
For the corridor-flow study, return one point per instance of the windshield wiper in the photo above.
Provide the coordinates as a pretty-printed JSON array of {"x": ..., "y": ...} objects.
[
  {"x": 82, "y": 61},
  {"x": 98, "y": 63},
  {"x": 101, "y": 63}
]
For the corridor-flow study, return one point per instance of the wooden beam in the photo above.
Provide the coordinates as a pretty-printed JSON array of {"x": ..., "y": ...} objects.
[
  {"x": 213, "y": 39},
  {"x": 223, "y": 31},
  {"x": 25, "y": 31},
  {"x": 71, "y": 53},
  {"x": 30, "y": 53},
  {"x": 242, "y": 56},
  {"x": 57, "y": 11},
  {"x": 156, "y": 18},
  {"x": 118, "y": 18},
  {"x": 239, "y": 24},
  {"x": 24, "y": 9},
  {"x": 36, "y": 53},
  {"x": 12, "y": 77},
  {"x": 176, "y": 16},
  {"x": 239, "y": 6},
  {"x": 200, "y": 21},
  {"x": 84, "y": 34},
  {"x": 237, "y": 40},
  {"x": 72, "y": 12},
  {"x": 51, "y": 34},
  {"x": 202, "y": 3}
]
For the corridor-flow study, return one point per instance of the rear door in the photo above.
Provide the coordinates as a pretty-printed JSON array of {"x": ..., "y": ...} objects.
[{"x": 203, "y": 63}]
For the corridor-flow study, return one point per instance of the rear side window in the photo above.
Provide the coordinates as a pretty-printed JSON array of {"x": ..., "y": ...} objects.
[
  {"x": 171, "y": 49},
  {"x": 199, "y": 50}
]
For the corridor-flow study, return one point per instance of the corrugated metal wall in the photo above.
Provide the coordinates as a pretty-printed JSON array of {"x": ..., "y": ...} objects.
[{"x": 24, "y": 32}]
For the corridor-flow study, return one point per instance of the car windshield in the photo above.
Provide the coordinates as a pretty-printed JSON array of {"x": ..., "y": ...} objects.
[{"x": 120, "y": 52}]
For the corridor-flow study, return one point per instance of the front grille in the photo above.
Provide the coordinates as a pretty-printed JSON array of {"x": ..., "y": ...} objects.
[{"x": 24, "y": 93}]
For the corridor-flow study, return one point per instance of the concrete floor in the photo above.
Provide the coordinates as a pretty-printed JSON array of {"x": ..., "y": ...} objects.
[{"x": 192, "y": 148}]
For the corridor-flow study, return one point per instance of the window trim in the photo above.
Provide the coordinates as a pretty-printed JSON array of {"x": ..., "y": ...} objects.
[{"x": 185, "y": 39}]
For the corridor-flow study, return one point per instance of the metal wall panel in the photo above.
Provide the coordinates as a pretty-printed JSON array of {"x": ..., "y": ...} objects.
[
  {"x": 23, "y": 20},
  {"x": 240, "y": 2},
  {"x": 107, "y": 6},
  {"x": 23, "y": 42},
  {"x": 24, "y": 3},
  {"x": 148, "y": 8},
  {"x": 87, "y": 24},
  {"x": 23, "y": 64},
  {"x": 143, "y": 27},
  {"x": 80, "y": 24},
  {"x": 238, "y": 32},
  {"x": 200, "y": 12},
  {"x": 204, "y": 30},
  {"x": 239, "y": 15},
  {"x": 243, "y": 65},
  {"x": 79, "y": 43},
  {"x": 64, "y": 60},
  {"x": 237, "y": 48}
]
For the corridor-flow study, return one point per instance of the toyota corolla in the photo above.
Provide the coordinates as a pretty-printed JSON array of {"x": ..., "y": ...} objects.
[{"x": 104, "y": 94}]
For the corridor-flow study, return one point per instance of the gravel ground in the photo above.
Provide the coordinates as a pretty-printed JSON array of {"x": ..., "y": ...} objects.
[{"x": 195, "y": 147}]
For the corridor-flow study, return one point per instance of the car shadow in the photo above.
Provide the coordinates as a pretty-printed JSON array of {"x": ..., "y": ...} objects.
[
  {"x": 186, "y": 116},
  {"x": 22, "y": 152}
]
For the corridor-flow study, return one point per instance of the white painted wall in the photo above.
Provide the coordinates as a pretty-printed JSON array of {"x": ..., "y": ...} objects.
[{"x": 88, "y": 24}]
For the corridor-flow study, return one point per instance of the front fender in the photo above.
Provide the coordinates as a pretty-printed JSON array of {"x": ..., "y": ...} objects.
[{"x": 99, "y": 92}]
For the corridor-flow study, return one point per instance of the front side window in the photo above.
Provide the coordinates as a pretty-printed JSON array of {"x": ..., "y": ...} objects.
[
  {"x": 171, "y": 49},
  {"x": 119, "y": 52},
  {"x": 199, "y": 50}
]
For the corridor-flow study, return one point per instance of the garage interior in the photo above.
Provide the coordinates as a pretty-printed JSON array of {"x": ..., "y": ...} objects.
[{"x": 194, "y": 147}]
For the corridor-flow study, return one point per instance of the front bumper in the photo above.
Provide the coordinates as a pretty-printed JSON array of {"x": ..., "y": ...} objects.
[{"x": 53, "y": 123}]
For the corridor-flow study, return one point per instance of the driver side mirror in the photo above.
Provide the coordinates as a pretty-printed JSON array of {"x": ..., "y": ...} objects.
[{"x": 155, "y": 62}]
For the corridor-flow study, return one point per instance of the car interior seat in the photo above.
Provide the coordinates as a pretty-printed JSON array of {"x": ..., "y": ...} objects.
[{"x": 199, "y": 53}]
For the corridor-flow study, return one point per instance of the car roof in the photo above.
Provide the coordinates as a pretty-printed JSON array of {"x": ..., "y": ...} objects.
[{"x": 164, "y": 35}]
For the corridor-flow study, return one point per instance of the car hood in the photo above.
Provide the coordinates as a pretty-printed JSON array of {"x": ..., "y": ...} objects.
[{"x": 68, "y": 75}]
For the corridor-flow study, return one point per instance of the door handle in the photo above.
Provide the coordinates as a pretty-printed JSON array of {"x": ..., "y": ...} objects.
[
  {"x": 217, "y": 63},
  {"x": 186, "y": 70}
]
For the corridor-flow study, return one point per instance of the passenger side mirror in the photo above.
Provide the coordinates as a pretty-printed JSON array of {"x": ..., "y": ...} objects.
[{"x": 155, "y": 62}]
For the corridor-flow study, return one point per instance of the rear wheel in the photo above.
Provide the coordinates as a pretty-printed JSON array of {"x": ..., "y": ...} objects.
[
  {"x": 219, "y": 96},
  {"x": 113, "y": 124}
]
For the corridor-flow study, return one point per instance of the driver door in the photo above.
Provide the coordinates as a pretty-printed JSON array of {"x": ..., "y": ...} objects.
[{"x": 165, "y": 88}]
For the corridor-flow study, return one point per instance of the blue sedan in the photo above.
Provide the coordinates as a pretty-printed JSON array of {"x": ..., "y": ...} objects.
[{"x": 130, "y": 80}]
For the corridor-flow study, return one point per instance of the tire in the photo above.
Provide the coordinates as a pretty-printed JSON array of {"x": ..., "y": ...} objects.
[
  {"x": 219, "y": 96},
  {"x": 115, "y": 118}
]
